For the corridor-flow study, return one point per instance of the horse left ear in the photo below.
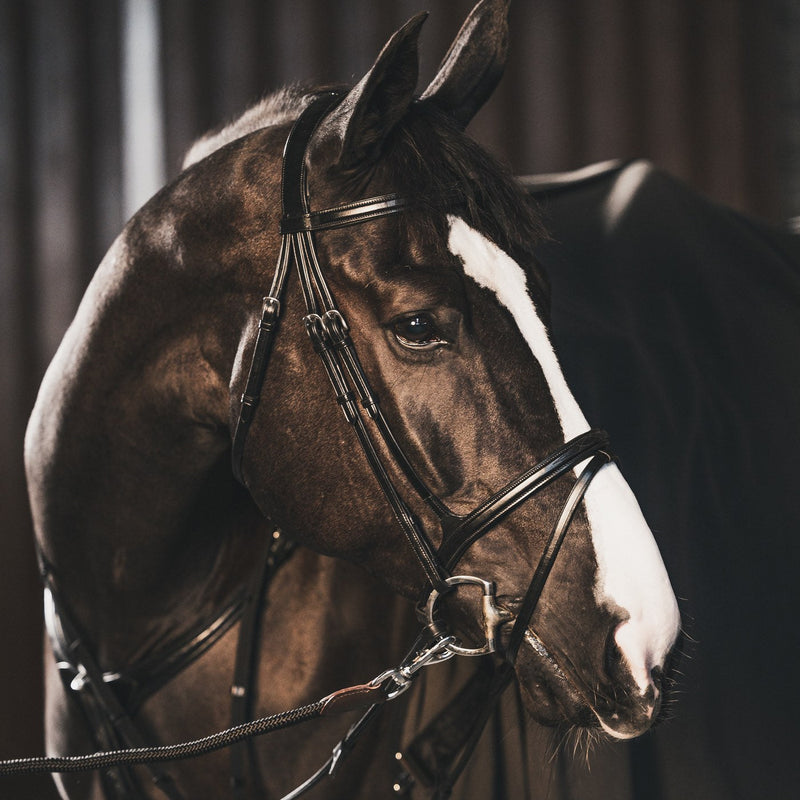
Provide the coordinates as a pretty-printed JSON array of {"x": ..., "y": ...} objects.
[
  {"x": 376, "y": 104},
  {"x": 474, "y": 63}
]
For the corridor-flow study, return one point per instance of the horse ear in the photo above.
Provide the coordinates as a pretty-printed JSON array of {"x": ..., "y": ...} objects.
[
  {"x": 474, "y": 63},
  {"x": 376, "y": 104}
]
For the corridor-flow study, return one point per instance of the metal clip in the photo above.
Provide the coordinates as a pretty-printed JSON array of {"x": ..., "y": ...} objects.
[
  {"x": 403, "y": 676},
  {"x": 80, "y": 680},
  {"x": 401, "y": 683},
  {"x": 336, "y": 326},
  {"x": 335, "y": 756},
  {"x": 338, "y": 334},
  {"x": 316, "y": 332},
  {"x": 439, "y": 650}
]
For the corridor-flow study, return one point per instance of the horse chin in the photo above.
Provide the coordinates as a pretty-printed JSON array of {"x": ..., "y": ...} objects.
[
  {"x": 550, "y": 697},
  {"x": 554, "y": 698}
]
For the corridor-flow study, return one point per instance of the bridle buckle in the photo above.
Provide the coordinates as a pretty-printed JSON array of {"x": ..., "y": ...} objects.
[{"x": 493, "y": 615}]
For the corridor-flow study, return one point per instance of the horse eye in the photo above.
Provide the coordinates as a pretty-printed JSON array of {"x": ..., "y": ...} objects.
[{"x": 418, "y": 331}]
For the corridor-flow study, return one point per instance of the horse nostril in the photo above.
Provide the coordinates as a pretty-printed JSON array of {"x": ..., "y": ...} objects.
[{"x": 657, "y": 676}]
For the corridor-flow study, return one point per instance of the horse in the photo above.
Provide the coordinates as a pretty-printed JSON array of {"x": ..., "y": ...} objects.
[{"x": 245, "y": 498}]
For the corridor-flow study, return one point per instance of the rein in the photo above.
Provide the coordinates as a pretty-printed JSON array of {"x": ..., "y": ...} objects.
[{"x": 330, "y": 337}]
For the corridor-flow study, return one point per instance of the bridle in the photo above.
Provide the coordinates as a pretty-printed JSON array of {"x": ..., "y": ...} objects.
[{"x": 330, "y": 337}]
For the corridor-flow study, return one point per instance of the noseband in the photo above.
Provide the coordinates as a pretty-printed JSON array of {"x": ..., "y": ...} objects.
[{"x": 330, "y": 336}]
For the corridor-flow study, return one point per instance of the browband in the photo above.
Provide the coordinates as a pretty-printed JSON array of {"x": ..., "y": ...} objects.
[
  {"x": 297, "y": 215},
  {"x": 346, "y": 214}
]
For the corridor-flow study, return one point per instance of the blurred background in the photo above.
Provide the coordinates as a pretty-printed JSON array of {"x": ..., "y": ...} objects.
[{"x": 99, "y": 99}]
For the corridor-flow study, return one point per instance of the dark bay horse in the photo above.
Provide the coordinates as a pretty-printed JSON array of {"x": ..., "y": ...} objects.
[{"x": 150, "y": 547}]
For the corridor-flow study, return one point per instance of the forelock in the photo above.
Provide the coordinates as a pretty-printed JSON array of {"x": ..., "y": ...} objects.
[{"x": 432, "y": 161}]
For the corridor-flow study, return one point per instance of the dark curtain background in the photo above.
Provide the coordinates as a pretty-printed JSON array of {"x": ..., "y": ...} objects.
[{"x": 708, "y": 90}]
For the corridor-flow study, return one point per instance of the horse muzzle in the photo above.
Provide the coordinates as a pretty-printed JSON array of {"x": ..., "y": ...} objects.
[{"x": 613, "y": 700}]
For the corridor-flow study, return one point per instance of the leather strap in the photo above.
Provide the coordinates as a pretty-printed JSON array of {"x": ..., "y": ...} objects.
[
  {"x": 81, "y": 673},
  {"x": 470, "y": 528},
  {"x": 329, "y": 334},
  {"x": 293, "y": 178},
  {"x": 246, "y": 664},
  {"x": 251, "y": 397},
  {"x": 438, "y": 754},
  {"x": 330, "y": 337},
  {"x": 431, "y": 754},
  {"x": 551, "y": 550},
  {"x": 293, "y": 204},
  {"x": 144, "y": 678},
  {"x": 335, "y": 351},
  {"x": 343, "y": 215}
]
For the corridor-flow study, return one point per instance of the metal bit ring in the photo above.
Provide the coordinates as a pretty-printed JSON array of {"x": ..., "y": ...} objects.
[{"x": 493, "y": 616}]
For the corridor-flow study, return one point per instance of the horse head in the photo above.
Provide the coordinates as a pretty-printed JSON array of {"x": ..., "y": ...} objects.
[{"x": 448, "y": 314}]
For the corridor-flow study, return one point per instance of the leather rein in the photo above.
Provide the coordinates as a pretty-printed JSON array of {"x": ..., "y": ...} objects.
[{"x": 330, "y": 337}]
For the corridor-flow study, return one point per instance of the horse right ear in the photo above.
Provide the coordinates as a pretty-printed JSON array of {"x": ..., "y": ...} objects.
[
  {"x": 474, "y": 63},
  {"x": 376, "y": 104}
]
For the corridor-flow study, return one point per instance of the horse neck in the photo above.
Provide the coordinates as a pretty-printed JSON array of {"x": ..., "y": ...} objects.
[
  {"x": 133, "y": 502},
  {"x": 327, "y": 624}
]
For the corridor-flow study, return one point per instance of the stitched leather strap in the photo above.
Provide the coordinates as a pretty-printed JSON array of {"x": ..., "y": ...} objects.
[
  {"x": 246, "y": 665},
  {"x": 293, "y": 204},
  {"x": 442, "y": 764},
  {"x": 329, "y": 334},
  {"x": 347, "y": 214},
  {"x": 470, "y": 528}
]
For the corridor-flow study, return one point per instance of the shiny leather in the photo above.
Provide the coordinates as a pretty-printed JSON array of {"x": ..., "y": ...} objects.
[
  {"x": 469, "y": 529},
  {"x": 347, "y": 214},
  {"x": 112, "y": 725}
]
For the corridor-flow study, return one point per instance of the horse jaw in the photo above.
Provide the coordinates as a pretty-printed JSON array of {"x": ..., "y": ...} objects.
[{"x": 631, "y": 580}]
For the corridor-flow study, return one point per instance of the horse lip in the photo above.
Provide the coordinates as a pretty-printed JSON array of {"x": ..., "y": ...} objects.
[
  {"x": 616, "y": 733},
  {"x": 574, "y": 687},
  {"x": 569, "y": 691}
]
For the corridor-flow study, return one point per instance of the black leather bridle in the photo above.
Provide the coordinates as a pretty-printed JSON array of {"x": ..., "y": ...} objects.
[{"x": 330, "y": 336}]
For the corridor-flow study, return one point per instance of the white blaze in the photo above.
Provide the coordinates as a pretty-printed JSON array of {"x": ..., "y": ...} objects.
[{"x": 630, "y": 572}]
